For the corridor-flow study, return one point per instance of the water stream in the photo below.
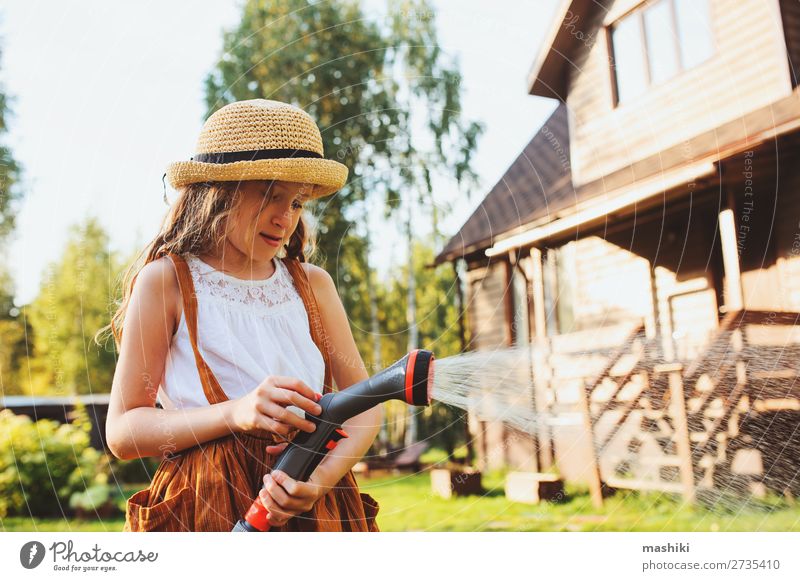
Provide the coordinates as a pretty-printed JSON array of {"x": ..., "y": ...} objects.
[{"x": 498, "y": 386}]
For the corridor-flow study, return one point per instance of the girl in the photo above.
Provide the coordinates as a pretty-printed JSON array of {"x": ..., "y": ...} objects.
[{"x": 236, "y": 336}]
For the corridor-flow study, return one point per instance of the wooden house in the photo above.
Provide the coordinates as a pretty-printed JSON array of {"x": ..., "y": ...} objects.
[{"x": 646, "y": 246}]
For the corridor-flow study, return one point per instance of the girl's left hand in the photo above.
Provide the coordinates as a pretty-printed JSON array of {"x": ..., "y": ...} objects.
[{"x": 285, "y": 497}]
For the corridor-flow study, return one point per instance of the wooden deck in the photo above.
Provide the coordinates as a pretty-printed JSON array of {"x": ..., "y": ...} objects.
[{"x": 686, "y": 425}]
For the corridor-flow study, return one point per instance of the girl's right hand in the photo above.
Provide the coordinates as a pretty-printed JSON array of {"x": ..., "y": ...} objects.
[{"x": 264, "y": 408}]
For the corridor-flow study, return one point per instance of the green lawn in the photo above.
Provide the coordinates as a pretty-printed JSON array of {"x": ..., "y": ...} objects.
[
  {"x": 408, "y": 505},
  {"x": 59, "y": 525}
]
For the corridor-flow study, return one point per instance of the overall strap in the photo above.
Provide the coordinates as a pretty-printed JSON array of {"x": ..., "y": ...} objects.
[
  {"x": 211, "y": 387},
  {"x": 318, "y": 334}
]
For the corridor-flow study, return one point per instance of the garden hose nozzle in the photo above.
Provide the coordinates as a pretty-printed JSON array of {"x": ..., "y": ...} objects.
[{"x": 409, "y": 379}]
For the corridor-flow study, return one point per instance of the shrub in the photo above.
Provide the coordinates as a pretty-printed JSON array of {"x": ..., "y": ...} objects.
[
  {"x": 42, "y": 464},
  {"x": 97, "y": 501},
  {"x": 135, "y": 471}
]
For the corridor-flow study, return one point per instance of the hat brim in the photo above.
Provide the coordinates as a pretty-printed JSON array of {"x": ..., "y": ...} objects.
[{"x": 328, "y": 176}]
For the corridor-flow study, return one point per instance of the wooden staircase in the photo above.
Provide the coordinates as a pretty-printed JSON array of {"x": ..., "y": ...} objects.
[{"x": 675, "y": 426}]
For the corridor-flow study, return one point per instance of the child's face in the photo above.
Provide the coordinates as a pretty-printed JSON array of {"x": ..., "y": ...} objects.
[{"x": 261, "y": 215}]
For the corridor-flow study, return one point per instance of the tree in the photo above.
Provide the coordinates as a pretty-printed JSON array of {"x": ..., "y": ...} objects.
[
  {"x": 14, "y": 339},
  {"x": 13, "y": 335},
  {"x": 388, "y": 101},
  {"x": 75, "y": 300},
  {"x": 361, "y": 79},
  {"x": 10, "y": 190},
  {"x": 437, "y": 326}
]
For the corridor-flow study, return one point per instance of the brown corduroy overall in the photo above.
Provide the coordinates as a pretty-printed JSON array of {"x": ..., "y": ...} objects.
[{"x": 210, "y": 487}]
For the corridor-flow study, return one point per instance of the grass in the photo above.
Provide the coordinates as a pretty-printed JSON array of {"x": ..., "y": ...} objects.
[
  {"x": 408, "y": 505},
  {"x": 19, "y": 524},
  {"x": 71, "y": 525}
]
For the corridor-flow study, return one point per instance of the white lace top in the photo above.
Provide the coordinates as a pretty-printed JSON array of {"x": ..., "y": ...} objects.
[{"x": 247, "y": 330}]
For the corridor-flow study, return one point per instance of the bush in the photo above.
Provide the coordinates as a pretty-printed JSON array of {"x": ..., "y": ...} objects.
[
  {"x": 42, "y": 464},
  {"x": 97, "y": 501},
  {"x": 136, "y": 471}
]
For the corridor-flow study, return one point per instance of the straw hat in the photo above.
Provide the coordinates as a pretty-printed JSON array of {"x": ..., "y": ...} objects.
[{"x": 260, "y": 140}]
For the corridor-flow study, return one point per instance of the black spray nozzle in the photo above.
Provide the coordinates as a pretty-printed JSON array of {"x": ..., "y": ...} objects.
[{"x": 409, "y": 379}]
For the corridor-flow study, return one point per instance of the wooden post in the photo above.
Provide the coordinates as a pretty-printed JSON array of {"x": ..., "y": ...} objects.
[
  {"x": 682, "y": 443},
  {"x": 734, "y": 299},
  {"x": 508, "y": 299},
  {"x": 532, "y": 265},
  {"x": 595, "y": 483},
  {"x": 462, "y": 337},
  {"x": 524, "y": 265},
  {"x": 537, "y": 281},
  {"x": 545, "y": 388},
  {"x": 655, "y": 332},
  {"x": 462, "y": 329}
]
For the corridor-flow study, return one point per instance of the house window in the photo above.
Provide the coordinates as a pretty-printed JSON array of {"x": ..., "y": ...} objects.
[
  {"x": 662, "y": 56},
  {"x": 657, "y": 41},
  {"x": 694, "y": 31}
]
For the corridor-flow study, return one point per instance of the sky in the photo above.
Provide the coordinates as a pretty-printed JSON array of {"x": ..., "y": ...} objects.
[{"x": 105, "y": 94}]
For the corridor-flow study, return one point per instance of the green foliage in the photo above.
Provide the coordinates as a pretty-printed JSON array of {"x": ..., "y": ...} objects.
[
  {"x": 360, "y": 78},
  {"x": 352, "y": 277},
  {"x": 12, "y": 328},
  {"x": 292, "y": 51},
  {"x": 437, "y": 316},
  {"x": 388, "y": 101},
  {"x": 92, "y": 500},
  {"x": 75, "y": 300},
  {"x": 134, "y": 471},
  {"x": 14, "y": 334},
  {"x": 42, "y": 464},
  {"x": 10, "y": 174},
  {"x": 437, "y": 321}
]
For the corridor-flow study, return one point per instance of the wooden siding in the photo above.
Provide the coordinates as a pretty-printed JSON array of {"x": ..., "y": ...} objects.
[
  {"x": 687, "y": 309},
  {"x": 748, "y": 70},
  {"x": 767, "y": 209},
  {"x": 608, "y": 279},
  {"x": 788, "y": 229},
  {"x": 606, "y": 285},
  {"x": 486, "y": 306}
]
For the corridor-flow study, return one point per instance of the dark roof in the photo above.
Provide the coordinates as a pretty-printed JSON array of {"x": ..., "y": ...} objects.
[
  {"x": 538, "y": 183},
  {"x": 570, "y": 29}
]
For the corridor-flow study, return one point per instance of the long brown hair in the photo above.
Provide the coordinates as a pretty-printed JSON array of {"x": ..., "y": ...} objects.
[{"x": 196, "y": 224}]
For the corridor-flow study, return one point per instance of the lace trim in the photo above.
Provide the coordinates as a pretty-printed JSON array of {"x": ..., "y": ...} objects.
[{"x": 273, "y": 293}]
